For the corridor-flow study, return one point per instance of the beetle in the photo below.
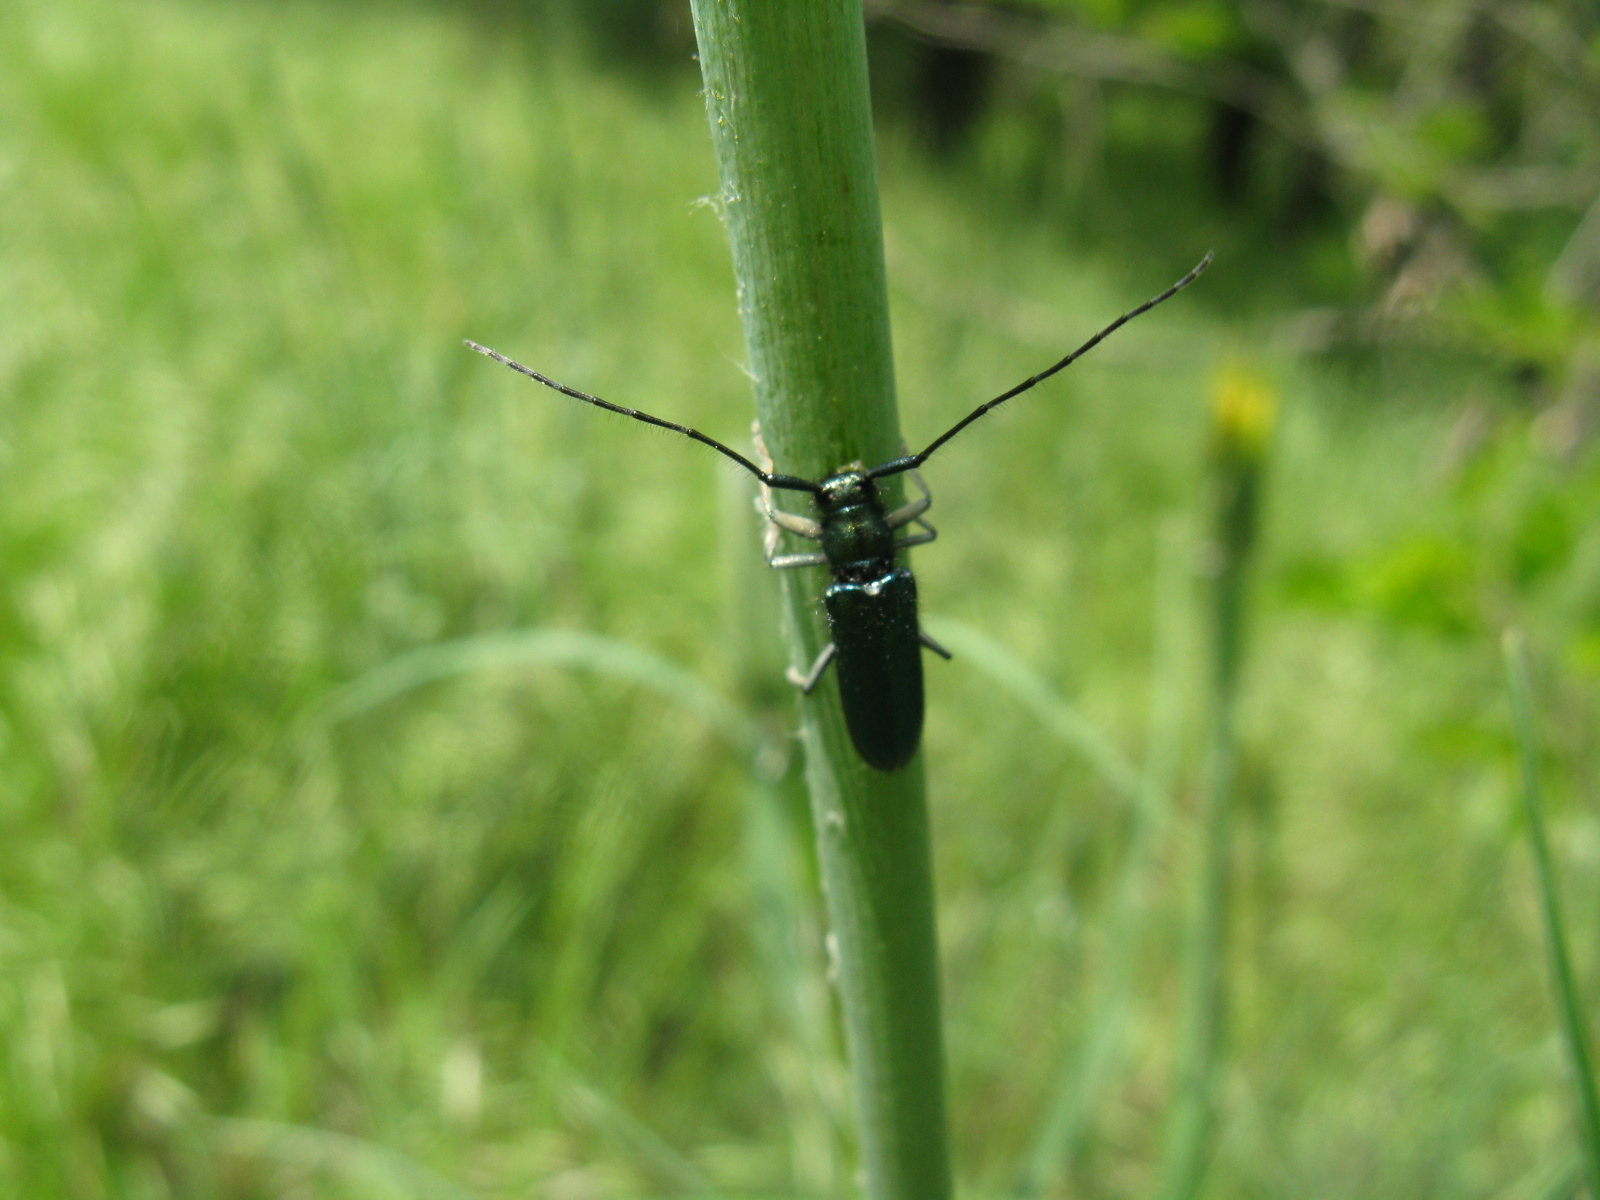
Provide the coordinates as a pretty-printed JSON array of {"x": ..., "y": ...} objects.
[{"x": 871, "y": 602}]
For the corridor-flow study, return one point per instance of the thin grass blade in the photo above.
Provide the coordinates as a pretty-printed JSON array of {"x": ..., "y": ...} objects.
[
  {"x": 539, "y": 648},
  {"x": 1573, "y": 1029}
]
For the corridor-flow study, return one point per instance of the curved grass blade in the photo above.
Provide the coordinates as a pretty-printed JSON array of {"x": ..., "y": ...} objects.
[
  {"x": 642, "y": 1143},
  {"x": 540, "y": 648},
  {"x": 1561, "y": 1182},
  {"x": 363, "y": 1163},
  {"x": 1057, "y": 714},
  {"x": 1093, "y": 1061},
  {"x": 1146, "y": 795},
  {"x": 1573, "y": 1029}
]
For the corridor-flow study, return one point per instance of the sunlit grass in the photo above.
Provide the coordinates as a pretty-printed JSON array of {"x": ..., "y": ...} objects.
[{"x": 518, "y": 928}]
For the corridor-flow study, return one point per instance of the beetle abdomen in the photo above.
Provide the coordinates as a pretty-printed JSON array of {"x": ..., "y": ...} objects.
[{"x": 879, "y": 662}]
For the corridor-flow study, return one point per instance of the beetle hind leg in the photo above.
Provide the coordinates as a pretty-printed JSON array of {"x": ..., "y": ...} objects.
[{"x": 807, "y": 683}]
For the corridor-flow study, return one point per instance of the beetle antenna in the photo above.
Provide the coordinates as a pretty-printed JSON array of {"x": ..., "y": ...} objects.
[
  {"x": 791, "y": 482},
  {"x": 912, "y": 461}
]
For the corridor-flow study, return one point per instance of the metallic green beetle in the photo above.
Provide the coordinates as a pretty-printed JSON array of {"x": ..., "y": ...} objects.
[
  {"x": 871, "y": 607},
  {"x": 871, "y": 604}
]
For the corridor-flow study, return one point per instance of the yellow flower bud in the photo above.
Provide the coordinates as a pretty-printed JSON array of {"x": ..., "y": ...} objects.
[{"x": 1244, "y": 407}]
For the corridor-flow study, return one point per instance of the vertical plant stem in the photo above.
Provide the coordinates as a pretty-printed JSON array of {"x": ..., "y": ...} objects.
[
  {"x": 786, "y": 93},
  {"x": 1190, "y": 1124},
  {"x": 780, "y": 864},
  {"x": 1243, "y": 426},
  {"x": 1572, "y": 1022}
]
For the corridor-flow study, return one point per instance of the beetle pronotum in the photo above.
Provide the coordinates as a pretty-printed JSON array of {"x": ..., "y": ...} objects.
[{"x": 871, "y": 603}]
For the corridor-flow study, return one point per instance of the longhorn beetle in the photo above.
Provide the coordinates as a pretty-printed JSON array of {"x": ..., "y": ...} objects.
[{"x": 871, "y": 605}]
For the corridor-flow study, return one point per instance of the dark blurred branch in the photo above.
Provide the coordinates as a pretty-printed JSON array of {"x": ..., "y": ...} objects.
[
  {"x": 1449, "y": 114},
  {"x": 1536, "y": 24},
  {"x": 1541, "y": 28},
  {"x": 1524, "y": 187},
  {"x": 1069, "y": 50}
]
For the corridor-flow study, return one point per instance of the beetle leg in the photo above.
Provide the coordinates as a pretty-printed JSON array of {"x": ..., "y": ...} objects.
[
  {"x": 807, "y": 683},
  {"x": 922, "y": 635},
  {"x": 782, "y": 562},
  {"x": 917, "y": 539},
  {"x": 791, "y": 522},
  {"x": 909, "y": 512},
  {"x": 778, "y": 521},
  {"x": 762, "y": 456}
]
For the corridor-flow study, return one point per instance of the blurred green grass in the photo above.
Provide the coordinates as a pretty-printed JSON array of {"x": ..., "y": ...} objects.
[{"x": 536, "y": 931}]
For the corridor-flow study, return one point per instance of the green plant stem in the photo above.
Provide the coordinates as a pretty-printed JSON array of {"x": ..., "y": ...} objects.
[
  {"x": 781, "y": 870},
  {"x": 1190, "y": 1126},
  {"x": 1566, "y": 988},
  {"x": 1191, "y": 1122},
  {"x": 786, "y": 93}
]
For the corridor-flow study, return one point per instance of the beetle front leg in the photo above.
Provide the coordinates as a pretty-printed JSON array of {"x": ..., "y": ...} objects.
[
  {"x": 778, "y": 519},
  {"x": 807, "y": 683},
  {"x": 791, "y": 522}
]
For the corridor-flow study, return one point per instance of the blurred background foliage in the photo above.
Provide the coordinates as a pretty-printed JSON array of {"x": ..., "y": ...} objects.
[{"x": 395, "y": 790}]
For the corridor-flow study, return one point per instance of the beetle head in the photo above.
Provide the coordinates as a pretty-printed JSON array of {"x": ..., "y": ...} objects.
[{"x": 847, "y": 489}]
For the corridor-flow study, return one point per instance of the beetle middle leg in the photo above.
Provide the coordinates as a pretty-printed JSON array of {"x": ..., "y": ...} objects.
[
  {"x": 922, "y": 636},
  {"x": 917, "y": 539},
  {"x": 913, "y": 509},
  {"x": 782, "y": 562},
  {"x": 807, "y": 683}
]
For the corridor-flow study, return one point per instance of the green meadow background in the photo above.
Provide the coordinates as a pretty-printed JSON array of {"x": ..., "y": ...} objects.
[{"x": 397, "y": 795}]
